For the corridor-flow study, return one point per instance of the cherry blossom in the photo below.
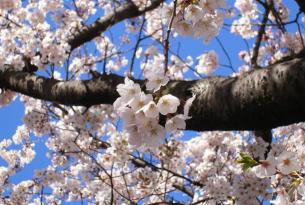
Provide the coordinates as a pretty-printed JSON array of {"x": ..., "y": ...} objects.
[
  {"x": 287, "y": 162},
  {"x": 208, "y": 62},
  {"x": 151, "y": 110},
  {"x": 282, "y": 198},
  {"x": 175, "y": 123},
  {"x": 168, "y": 104},
  {"x": 134, "y": 149},
  {"x": 266, "y": 167}
]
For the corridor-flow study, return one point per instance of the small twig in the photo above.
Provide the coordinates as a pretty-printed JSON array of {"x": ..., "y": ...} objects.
[
  {"x": 136, "y": 46},
  {"x": 259, "y": 39},
  {"x": 226, "y": 53},
  {"x": 166, "y": 42}
]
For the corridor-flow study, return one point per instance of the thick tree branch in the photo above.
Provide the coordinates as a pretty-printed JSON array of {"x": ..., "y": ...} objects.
[
  {"x": 258, "y": 100},
  {"x": 86, "y": 93},
  {"x": 128, "y": 10},
  {"x": 261, "y": 99}
]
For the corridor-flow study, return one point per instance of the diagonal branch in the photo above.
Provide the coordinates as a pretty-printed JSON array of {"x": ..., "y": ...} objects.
[
  {"x": 259, "y": 39},
  {"x": 128, "y": 10},
  {"x": 261, "y": 99}
]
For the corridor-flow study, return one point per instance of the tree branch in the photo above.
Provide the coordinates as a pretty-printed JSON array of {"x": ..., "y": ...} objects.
[
  {"x": 128, "y": 10},
  {"x": 259, "y": 38},
  {"x": 257, "y": 100},
  {"x": 260, "y": 99},
  {"x": 85, "y": 93},
  {"x": 87, "y": 33}
]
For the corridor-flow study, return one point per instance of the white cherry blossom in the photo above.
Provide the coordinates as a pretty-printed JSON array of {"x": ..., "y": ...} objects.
[
  {"x": 175, "y": 123},
  {"x": 266, "y": 168},
  {"x": 128, "y": 90},
  {"x": 208, "y": 62},
  {"x": 150, "y": 110},
  {"x": 287, "y": 162},
  {"x": 168, "y": 104},
  {"x": 140, "y": 101}
]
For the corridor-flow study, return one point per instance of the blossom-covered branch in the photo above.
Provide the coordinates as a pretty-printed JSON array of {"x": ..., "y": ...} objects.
[
  {"x": 261, "y": 99},
  {"x": 111, "y": 107},
  {"x": 87, "y": 33}
]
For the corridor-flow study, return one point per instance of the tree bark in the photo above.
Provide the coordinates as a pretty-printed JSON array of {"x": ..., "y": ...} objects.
[
  {"x": 258, "y": 100},
  {"x": 261, "y": 99}
]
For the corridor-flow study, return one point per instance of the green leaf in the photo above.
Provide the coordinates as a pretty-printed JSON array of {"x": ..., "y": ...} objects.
[
  {"x": 293, "y": 186},
  {"x": 246, "y": 160}
]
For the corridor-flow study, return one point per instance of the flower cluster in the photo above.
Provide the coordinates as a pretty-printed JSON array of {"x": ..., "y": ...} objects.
[
  {"x": 136, "y": 151},
  {"x": 140, "y": 113},
  {"x": 200, "y": 19},
  {"x": 154, "y": 72},
  {"x": 6, "y": 97},
  {"x": 285, "y": 163},
  {"x": 36, "y": 117},
  {"x": 7, "y": 4},
  {"x": 243, "y": 26},
  {"x": 208, "y": 62}
]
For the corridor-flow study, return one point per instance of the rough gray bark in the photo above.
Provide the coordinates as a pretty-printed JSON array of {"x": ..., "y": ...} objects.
[{"x": 261, "y": 99}]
